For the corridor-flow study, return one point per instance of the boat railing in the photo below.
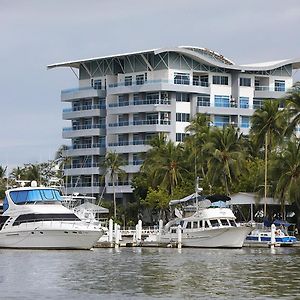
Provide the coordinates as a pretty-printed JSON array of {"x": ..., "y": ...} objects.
[{"x": 38, "y": 223}]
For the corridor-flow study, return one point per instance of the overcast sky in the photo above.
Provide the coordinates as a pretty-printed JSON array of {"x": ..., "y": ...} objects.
[{"x": 35, "y": 33}]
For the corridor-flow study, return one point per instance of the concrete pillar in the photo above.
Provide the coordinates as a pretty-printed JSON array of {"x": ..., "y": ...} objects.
[{"x": 273, "y": 240}]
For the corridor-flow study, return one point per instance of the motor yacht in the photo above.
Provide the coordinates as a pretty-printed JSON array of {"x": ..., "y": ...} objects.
[
  {"x": 204, "y": 225},
  {"x": 34, "y": 217}
]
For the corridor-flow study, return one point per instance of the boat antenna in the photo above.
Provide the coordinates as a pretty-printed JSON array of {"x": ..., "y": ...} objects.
[{"x": 196, "y": 192}]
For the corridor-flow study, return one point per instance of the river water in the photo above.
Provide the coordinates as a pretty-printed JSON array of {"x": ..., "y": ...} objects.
[{"x": 147, "y": 273}]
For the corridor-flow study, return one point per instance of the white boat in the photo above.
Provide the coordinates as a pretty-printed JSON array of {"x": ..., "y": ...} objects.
[
  {"x": 203, "y": 225},
  {"x": 34, "y": 217}
]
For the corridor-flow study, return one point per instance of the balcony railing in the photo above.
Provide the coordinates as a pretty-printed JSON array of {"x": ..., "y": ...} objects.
[
  {"x": 84, "y": 107},
  {"x": 83, "y": 165},
  {"x": 141, "y": 102},
  {"x": 85, "y": 88},
  {"x": 140, "y": 122},
  {"x": 159, "y": 81},
  {"x": 84, "y": 127},
  {"x": 126, "y": 143},
  {"x": 86, "y": 146},
  {"x": 119, "y": 183},
  {"x": 269, "y": 88}
]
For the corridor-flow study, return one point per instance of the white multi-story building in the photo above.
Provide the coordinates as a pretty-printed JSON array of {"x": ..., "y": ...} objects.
[{"x": 123, "y": 100}]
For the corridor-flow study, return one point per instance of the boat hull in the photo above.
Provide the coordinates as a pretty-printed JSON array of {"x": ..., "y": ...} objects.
[
  {"x": 225, "y": 237},
  {"x": 50, "y": 238}
]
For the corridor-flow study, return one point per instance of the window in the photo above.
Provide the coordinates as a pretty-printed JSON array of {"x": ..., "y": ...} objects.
[
  {"x": 279, "y": 86},
  {"x": 220, "y": 121},
  {"x": 232, "y": 223},
  {"x": 245, "y": 122},
  {"x": 97, "y": 84},
  {"x": 203, "y": 100},
  {"x": 244, "y": 102},
  {"x": 224, "y": 222},
  {"x": 206, "y": 225},
  {"x": 200, "y": 80},
  {"x": 245, "y": 81},
  {"x": 180, "y": 136},
  {"x": 221, "y": 101},
  {"x": 182, "y": 117},
  {"x": 189, "y": 225},
  {"x": 214, "y": 223},
  {"x": 220, "y": 80},
  {"x": 182, "y": 97},
  {"x": 152, "y": 98},
  {"x": 128, "y": 80},
  {"x": 182, "y": 78},
  {"x": 195, "y": 224},
  {"x": 139, "y": 79}
]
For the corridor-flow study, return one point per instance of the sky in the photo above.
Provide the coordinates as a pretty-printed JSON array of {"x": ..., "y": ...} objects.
[{"x": 35, "y": 33}]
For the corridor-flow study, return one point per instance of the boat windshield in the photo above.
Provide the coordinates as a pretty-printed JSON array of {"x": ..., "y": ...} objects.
[{"x": 36, "y": 195}]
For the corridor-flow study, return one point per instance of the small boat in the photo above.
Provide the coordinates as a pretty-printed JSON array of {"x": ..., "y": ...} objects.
[
  {"x": 34, "y": 217},
  {"x": 262, "y": 235},
  {"x": 204, "y": 225}
]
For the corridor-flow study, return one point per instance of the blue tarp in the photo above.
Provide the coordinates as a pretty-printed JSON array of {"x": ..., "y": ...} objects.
[{"x": 281, "y": 222}]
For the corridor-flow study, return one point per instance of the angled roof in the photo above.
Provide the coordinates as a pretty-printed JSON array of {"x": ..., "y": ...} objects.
[{"x": 202, "y": 55}]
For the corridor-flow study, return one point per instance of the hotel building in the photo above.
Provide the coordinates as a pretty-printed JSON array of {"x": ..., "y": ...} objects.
[{"x": 123, "y": 100}]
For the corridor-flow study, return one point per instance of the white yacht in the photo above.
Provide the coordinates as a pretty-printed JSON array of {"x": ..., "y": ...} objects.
[
  {"x": 34, "y": 217},
  {"x": 203, "y": 225}
]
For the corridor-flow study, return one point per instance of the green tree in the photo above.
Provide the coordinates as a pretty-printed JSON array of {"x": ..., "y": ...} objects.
[
  {"x": 226, "y": 157},
  {"x": 292, "y": 100},
  {"x": 267, "y": 126},
  {"x": 285, "y": 169},
  {"x": 112, "y": 164}
]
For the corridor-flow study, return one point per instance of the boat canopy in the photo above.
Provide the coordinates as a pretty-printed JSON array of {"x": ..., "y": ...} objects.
[
  {"x": 35, "y": 195},
  {"x": 281, "y": 223}
]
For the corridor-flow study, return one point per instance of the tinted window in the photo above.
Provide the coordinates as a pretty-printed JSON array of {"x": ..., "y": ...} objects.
[
  {"x": 214, "y": 223},
  {"x": 224, "y": 222}
]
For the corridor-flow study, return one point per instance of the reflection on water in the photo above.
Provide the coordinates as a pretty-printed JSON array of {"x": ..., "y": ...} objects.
[{"x": 151, "y": 273}]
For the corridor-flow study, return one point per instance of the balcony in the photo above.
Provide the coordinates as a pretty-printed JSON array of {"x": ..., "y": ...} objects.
[
  {"x": 84, "y": 130},
  {"x": 129, "y": 147},
  {"x": 158, "y": 85},
  {"x": 84, "y": 111},
  {"x": 139, "y": 126},
  {"x": 269, "y": 91},
  {"x": 81, "y": 92}
]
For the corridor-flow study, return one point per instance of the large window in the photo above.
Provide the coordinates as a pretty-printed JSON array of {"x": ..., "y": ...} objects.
[
  {"x": 221, "y": 101},
  {"x": 279, "y": 86},
  {"x": 182, "y": 78},
  {"x": 182, "y": 97},
  {"x": 97, "y": 84},
  {"x": 128, "y": 80},
  {"x": 220, "y": 121},
  {"x": 245, "y": 81},
  {"x": 139, "y": 79},
  {"x": 244, "y": 102},
  {"x": 220, "y": 80},
  {"x": 245, "y": 122},
  {"x": 180, "y": 136},
  {"x": 182, "y": 117},
  {"x": 203, "y": 100}
]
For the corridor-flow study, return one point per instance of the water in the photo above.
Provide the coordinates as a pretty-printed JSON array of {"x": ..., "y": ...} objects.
[{"x": 147, "y": 273}]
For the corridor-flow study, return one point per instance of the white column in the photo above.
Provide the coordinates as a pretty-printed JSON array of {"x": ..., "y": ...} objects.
[
  {"x": 110, "y": 230},
  {"x": 179, "y": 235},
  {"x": 273, "y": 240}
]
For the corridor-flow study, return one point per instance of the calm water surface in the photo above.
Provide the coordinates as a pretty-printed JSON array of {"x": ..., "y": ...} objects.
[{"x": 147, "y": 273}]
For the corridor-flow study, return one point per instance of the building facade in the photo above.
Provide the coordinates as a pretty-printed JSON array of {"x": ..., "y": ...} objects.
[{"x": 122, "y": 101}]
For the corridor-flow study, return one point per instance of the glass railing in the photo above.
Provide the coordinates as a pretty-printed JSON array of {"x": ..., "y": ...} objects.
[
  {"x": 269, "y": 88},
  {"x": 83, "y": 165},
  {"x": 84, "y": 107},
  {"x": 84, "y": 127},
  {"x": 119, "y": 183},
  {"x": 126, "y": 143},
  {"x": 78, "y": 89},
  {"x": 86, "y": 146},
  {"x": 142, "y": 102},
  {"x": 159, "y": 81},
  {"x": 140, "y": 122}
]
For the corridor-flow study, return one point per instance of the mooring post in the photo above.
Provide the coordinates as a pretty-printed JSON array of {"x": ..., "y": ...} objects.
[
  {"x": 179, "y": 236},
  {"x": 110, "y": 231},
  {"x": 273, "y": 239}
]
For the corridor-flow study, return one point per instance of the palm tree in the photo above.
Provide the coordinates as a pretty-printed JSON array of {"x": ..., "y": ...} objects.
[
  {"x": 292, "y": 100},
  {"x": 112, "y": 164},
  {"x": 226, "y": 156},
  {"x": 286, "y": 169},
  {"x": 165, "y": 166},
  {"x": 62, "y": 160},
  {"x": 2, "y": 172},
  {"x": 198, "y": 136},
  {"x": 267, "y": 125}
]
